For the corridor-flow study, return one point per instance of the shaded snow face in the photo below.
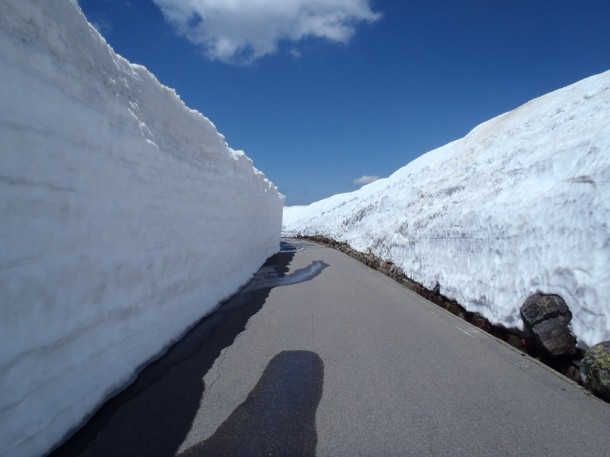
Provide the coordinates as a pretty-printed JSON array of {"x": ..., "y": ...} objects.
[
  {"x": 520, "y": 205},
  {"x": 125, "y": 218}
]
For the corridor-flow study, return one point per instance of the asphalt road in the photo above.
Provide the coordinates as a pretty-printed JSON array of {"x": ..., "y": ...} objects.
[{"x": 323, "y": 356}]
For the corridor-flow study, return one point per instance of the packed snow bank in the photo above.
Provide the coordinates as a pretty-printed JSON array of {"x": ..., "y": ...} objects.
[
  {"x": 125, "y": 218},
  {"x": 520, "y": 205}
]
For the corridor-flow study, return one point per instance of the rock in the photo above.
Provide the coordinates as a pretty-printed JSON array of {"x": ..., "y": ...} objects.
[
  {"x": 571, "y": 372},
  {"x": 516, "y": 342},
  {"x": 596, "y": 370},
  {"x": 408, "y": 284},
  {"x": 437, "y": 289},
  {"x": 453, "y": 309},
  {"x": 479, "y": 321},
  {"x": 547, "y": 319}
]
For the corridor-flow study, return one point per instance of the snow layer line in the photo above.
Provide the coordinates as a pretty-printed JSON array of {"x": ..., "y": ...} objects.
[
  {"x": 518, "y": 206},
  {"x": 125, "y": 218}
]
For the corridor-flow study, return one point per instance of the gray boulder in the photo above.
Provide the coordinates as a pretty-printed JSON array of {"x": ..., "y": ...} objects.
[
  {"x": 596, "y": 370},
  {"x": 546, "y": 319}
]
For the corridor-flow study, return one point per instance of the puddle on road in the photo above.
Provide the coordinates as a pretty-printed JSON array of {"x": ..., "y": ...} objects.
[
  {"x": 290, "y": 247},
  {"x": 268, "y": 277}
]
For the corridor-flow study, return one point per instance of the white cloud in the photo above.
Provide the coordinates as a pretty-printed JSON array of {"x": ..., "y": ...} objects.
[
  {"x": 363, "y": 180},
  {"x": 296, "y": 53},
  {"x": 241, "y": 31},
  {"x": 102, "y": 26}
]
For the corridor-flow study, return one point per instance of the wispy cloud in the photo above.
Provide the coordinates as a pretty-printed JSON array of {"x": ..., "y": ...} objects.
[
  {"x": 101, "y": 24},
  {"x": 363, "y": 180},
  {"x": 296, "y": 53},
  {"x": 242, "y": 31}
]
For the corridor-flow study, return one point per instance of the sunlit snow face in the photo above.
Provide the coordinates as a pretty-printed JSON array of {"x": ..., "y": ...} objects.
[{"x": 518, "y": 206}]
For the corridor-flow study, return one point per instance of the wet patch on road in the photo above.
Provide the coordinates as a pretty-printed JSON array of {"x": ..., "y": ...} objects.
[
  {"x": 279, "y": 415},
  {"x": 271, "y": 277},
  {"x": 290, "y": 247}
]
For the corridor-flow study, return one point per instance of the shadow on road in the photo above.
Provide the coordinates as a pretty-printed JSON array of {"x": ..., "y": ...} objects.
[
  {"x": 278, "y": 417},
  {"x": 154, "y": 414}
]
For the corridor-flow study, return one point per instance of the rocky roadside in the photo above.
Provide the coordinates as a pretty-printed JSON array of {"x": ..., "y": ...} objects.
[{"x": 547, "y": 337}]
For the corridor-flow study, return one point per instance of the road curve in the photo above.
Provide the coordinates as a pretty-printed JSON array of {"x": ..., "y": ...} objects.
[{"x": 320, "y": 355}]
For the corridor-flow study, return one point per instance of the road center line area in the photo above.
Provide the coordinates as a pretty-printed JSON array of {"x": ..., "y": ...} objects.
[{"x": 321, "y": 356}]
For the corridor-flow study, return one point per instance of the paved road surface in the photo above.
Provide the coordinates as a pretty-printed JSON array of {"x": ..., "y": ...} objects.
[{"x": 324, "y": 356}]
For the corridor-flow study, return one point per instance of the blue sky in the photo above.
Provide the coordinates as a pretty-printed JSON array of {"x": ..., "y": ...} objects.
[{"x": 322, "y": 92}]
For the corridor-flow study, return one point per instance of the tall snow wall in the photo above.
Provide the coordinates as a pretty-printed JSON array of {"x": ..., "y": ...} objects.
[
  {"x": 519, "y": 205},
  {"x": 125, "y": 219}
]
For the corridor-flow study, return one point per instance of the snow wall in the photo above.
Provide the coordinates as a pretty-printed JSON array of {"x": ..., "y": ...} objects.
[
  {"x": 125, "y": 219},
  {"x": 519, "y": 205}
]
